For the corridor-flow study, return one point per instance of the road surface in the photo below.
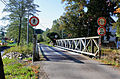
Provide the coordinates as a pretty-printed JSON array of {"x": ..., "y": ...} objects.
[{"x": 62, "y": 64}]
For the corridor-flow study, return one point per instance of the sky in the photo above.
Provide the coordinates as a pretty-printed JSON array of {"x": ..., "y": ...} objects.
[
  {"x": 50, "y": 10},
  {"x": 2, "y": 23}
]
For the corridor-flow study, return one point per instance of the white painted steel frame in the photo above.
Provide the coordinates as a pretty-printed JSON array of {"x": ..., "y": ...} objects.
[{"x": 80, "y": 45}]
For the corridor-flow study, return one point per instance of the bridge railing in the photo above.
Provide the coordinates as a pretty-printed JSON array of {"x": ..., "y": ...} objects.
[{"x": 85, "y": 45}]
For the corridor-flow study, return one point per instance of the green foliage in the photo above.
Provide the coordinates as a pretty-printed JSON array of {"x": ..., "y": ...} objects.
[
  {"x": 44, "y": 35},
  {"x": 29, "y": 59},
  {"x": 7, "y": 61},
  {"x": 56, "y": 27},
  {"x": 25, "y": 49},
  {"x": 40, "y": 38},
  {"x": 111, "y": 56},
  {"x": 117, "y": 24},
  {"x": 14, "y": 44},
  {"x": 76, "y": 22},
  {"x": 18, "y": 11},
  {"x": 15, "y": 70}
]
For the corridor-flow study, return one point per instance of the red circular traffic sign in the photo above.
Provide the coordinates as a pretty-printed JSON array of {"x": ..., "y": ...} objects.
[
  {"x": 34, "y": 21},
  {"x": 101, "y": 31},
  {"x": 101, "y": 21}
]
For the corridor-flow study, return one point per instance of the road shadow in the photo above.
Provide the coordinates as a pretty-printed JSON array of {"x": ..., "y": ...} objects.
[
  {"x": 64, "y": 56},
  {"x": 47, "y": 59}
]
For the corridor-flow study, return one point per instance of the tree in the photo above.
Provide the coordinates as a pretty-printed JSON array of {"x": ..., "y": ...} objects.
[
  {"x": 74, "y": 19},
  {"x": 81, "y": 23},
  {"x": 53, "y": 36},
  {"x": 40, "y": 38},
  {"x": 56, "y": 27},
  {"x": 13, "y": 31},
  {"x": 18, "y": 10},
  {"x": 117, "y": 24},
  {"x": 44, "y": 35},
  {"x": 2, "y": 75}
]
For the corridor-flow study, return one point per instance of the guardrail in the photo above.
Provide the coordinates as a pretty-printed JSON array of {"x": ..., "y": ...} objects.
[{"x": 85, "y": 45}]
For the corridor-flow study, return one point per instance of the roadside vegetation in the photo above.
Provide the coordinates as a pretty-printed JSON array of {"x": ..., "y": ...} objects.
[
  {"x": 16, "y": 69},
  {"x": 23, "y": 49},
  {"x": 111, "y": 57},
  {"x": 23, "y": 68}
]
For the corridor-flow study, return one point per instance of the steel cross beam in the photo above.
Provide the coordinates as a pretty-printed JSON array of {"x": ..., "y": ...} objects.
[{"x": 85, "y": 45}]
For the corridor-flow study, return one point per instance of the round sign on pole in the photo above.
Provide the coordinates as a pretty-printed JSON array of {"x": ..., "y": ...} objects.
[
  {"x": 34, "y": 21},
  {"x": 101, "y": 21},
  {"x": 101, "y": 31}
]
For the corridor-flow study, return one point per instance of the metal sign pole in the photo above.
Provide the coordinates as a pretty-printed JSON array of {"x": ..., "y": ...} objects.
[{"x": 34, "y": 21}]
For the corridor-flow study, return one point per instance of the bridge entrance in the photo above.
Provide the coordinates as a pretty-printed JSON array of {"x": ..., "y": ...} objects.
[{"x": 85, "y": 45}]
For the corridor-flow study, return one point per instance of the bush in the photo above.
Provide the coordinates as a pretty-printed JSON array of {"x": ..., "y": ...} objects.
[
  {"x": 111, "y": 56},
  {"x": 25, "y": 49}
]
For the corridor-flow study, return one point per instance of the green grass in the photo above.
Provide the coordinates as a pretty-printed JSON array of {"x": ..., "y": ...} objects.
[
  {"x": 111, "y": 56},
  {"x": 14, "y": 44},
  {"x": 45, "y": 43},
  {"x": 25, "y": 49},
  {"x": 15, "y": 70},
  {"x": 29, "y": 59}
]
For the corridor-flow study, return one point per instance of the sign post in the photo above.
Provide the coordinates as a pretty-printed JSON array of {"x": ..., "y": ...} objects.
[
  {"x": 101, "y": 31},
  {"x": 34, "y": 21}
]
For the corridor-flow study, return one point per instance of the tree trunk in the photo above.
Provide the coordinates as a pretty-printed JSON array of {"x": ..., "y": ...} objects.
[
  {"x": 19, "y": 31},
  {"x": 2, "y": 75}
]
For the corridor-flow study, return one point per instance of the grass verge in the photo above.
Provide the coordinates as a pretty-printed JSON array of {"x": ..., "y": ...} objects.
[
  {"x": 25, "y": 49},
  {"x": 110, "y": 57},
  {"x": 14, "y": 44},
  {"x": 15, "y": 70}
]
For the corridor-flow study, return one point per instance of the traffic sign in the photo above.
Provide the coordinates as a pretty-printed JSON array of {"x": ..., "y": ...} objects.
[
  {"x": 34, "y": 21},
  {"x": 101, "y": 31},
  {"x": 101, "y": 21}
]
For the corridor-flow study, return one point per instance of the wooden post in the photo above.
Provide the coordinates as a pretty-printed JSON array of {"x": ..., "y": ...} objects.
[
  {"x": 99, "y": 47},
  {"x": 92, "y": 46},
  {"x": 34, "y": 48}
]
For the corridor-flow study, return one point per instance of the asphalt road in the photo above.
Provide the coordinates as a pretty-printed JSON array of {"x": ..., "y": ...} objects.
[{"x": 62, "y": 64}]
